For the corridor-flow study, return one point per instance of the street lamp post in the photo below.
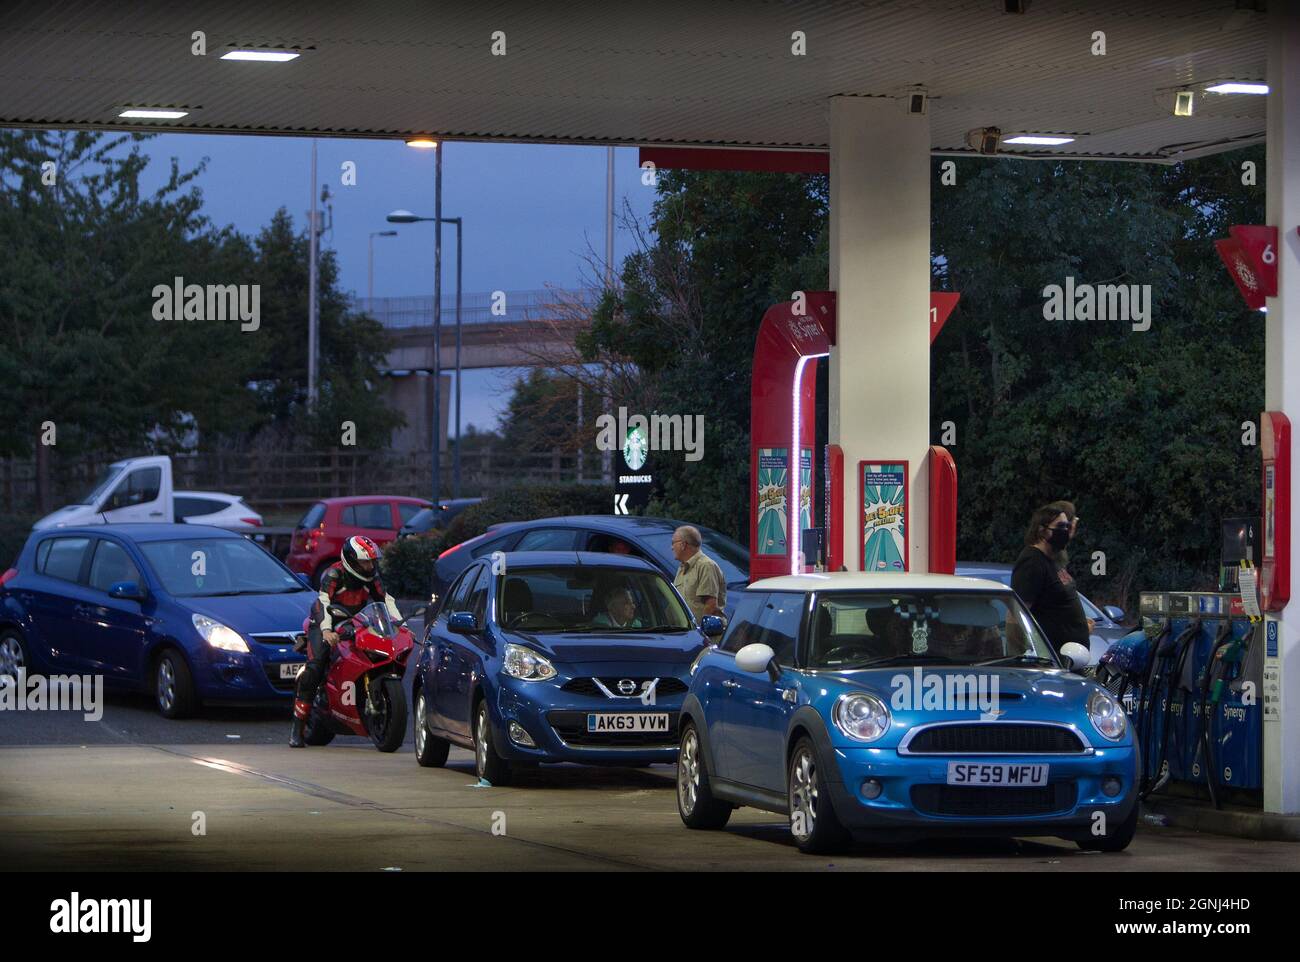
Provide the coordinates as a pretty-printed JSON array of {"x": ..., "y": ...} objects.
[
  {"x": 370, "y": 273},
  {"x": 406, "y": 217}
]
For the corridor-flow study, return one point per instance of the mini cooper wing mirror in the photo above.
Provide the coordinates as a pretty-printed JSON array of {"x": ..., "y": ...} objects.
[
  {"x": 712, "y": 625},
  {"x": 1076, "y": 655},
  {"x": 1114, "y": 613},
  {"x": 127, "y": 591},
  {"x": 756, "y": 658},
  {"x": 462, "y": 622}
]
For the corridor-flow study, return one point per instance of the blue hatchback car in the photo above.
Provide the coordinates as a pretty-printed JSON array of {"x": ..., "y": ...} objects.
[
  {"x": 555, "y": 656},
  {"x": 890, "y": 707},
  {"x": 192, "y": 614}
]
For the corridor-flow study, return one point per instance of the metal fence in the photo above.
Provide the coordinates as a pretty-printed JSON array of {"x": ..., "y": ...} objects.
[{"x": 285, "y": 480}]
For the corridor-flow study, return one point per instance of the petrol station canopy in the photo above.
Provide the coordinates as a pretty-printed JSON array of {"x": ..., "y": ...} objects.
[{"x": 662, "y": 73}]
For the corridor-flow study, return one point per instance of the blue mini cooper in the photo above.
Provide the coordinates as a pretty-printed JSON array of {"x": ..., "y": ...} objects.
[
  {"x": 894, "y": 706},
  {"x": 552, "y": 656}
]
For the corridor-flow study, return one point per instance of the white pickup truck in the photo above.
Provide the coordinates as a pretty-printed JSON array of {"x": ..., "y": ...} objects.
[{"x": 135, "y": 489}]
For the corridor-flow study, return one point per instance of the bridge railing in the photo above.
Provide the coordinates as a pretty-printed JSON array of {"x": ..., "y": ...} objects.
[{"x": 478, "y": 307}]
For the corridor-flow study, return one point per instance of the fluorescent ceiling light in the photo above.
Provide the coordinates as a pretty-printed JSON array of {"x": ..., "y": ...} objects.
[
  {"x": 422, "y": 143},
  {"x": 1233, "y": 87},
  {"x": 1041, "y": 140},
  {"x": 140, "y": 113},
  {"x": 267, "y": 56}
]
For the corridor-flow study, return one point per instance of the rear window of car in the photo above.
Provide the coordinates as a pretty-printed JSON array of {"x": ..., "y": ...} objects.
[
  {"x": 193, "y": 507},
  {"x": 408, "y": 511},
  {"x": 504, "y": 543},
  {"x": 368, "y": 516},
  {"x": 313, "y": 517},
  {"x": 61, "y": 557}
]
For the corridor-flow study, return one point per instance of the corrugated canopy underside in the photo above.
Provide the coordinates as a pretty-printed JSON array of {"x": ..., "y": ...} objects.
[{"x": 685, "y": 72}]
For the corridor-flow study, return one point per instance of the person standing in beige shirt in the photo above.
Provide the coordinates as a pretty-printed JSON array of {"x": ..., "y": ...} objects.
[{"x": 699, "y": 579}]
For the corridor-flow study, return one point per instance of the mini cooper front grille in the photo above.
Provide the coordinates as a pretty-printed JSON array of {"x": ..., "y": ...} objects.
[
  {"x": 571, "y": 726},
  {"x": 589, "y": 688},
  {"x": 995, "y": 738},
  {"x": 975, "y": 801}
]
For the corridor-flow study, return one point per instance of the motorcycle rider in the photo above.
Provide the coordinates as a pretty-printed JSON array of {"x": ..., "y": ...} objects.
[{"x": 350, "y": 583}]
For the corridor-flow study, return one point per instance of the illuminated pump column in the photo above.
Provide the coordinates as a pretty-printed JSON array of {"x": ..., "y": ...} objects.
[{"x": 783, "y": 430}]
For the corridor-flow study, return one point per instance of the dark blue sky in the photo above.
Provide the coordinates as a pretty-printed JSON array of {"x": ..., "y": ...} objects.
[{"x": 531, "y": 212}]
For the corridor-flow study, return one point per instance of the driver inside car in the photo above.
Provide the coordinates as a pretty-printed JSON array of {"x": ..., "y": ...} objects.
[{"x": 620, "y": 610}]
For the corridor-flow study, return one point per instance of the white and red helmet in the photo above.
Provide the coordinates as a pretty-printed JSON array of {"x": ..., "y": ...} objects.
[{"x": 361, "y": 557}]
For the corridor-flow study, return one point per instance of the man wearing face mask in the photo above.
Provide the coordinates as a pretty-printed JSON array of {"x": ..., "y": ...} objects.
[{"x": 1041, "y": 580}]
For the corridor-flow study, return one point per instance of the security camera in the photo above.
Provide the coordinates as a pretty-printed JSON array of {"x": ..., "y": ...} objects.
[{"x": 985, "y": 139}]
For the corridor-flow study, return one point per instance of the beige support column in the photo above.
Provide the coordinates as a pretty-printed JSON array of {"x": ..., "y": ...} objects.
[{"x": 880, "y": 271}]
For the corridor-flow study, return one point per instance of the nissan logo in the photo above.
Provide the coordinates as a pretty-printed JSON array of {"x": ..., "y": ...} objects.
[{"x": 626, "y": 686}]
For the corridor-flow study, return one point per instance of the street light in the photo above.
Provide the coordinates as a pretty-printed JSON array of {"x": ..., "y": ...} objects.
[
  {"x": 406, "y": 217},
  {"x": 370, "y": 274}
]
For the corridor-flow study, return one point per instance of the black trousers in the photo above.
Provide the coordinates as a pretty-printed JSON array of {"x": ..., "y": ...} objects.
[{"x": 318, "y": 665}]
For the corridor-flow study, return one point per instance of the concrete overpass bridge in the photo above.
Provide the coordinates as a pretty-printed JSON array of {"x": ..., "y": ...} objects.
[{"x": 498, "y": 328}]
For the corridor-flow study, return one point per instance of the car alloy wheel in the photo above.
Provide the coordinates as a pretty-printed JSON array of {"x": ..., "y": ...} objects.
[
  {"x": 803, "y": 795},
  {"x": 688, "y": 771},
  {"x": 166, "y": 684},
  {"x": 421, "y": 715},
  {"x": 481, "y": 737},
  {"x": 11, "y": 658}
]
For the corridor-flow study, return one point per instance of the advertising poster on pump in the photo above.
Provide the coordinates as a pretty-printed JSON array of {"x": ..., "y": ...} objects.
[
  {"x": 773, "y": 470},
  {"x": 884, "y": 516}
]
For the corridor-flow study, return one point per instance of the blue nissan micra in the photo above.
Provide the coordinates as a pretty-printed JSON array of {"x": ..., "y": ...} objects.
[
  {"x": 552, "y": 656},
  {"x": 894, "y": 706}
]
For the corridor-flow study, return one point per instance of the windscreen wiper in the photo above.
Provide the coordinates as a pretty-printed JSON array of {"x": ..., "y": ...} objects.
[
  {"x": 913, "y": 656},
  {"x": 1023, "y": 659}
]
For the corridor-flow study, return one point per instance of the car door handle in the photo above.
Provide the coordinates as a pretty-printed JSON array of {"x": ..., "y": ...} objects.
[
  {"x": 81, "y": 610},
  {"x": 155, "y": 514},
  {"x": 728, "y": 683}
]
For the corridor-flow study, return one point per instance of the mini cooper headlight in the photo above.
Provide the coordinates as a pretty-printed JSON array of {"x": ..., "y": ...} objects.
[
  {"x": 861, "y": 716},
  {"x": 521, "y": 662},
  {"x": 218, "y": 635},
  {"x": 1107, "y": 716}
]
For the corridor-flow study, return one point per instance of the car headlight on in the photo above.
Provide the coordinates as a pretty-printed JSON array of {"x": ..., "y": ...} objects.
[
  {"x": 218, "y": 635},
  {"x": 1107, "y": 716},
  {"x": 521, "y": 662},
  {"x": 861, "y": 716}
]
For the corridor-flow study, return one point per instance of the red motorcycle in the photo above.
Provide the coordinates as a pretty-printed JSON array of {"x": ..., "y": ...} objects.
[{"x": 362, "y": 693}]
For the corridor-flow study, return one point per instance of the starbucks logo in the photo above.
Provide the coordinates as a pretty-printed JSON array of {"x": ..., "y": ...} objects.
[{"x": 634, "y": 449}]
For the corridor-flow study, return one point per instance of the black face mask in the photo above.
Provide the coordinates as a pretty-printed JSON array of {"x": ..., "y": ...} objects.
[{"x": 1058, "y": 538}]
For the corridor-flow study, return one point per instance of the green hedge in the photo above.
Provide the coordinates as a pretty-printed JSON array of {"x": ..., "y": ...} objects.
[{"x": 408, "y": 563}]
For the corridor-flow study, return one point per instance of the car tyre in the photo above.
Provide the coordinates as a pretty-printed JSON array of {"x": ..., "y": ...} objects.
[
  {"x": 489, "y": 766},
  {"x": 430, "y": 750},
  {"x": 695, "y": 802},
  {"x": 13, "y": 654},
  {"x": 1115, "y": 841},
  {"x": 173, "y": 686},
  {"x": 813, "y": 822}
]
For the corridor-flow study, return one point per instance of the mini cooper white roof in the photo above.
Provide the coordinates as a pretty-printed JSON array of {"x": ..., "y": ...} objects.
[{"x": 870, "y": 581}]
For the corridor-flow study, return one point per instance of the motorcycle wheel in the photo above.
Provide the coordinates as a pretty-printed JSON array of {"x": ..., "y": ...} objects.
[
  {"x": 317, "y": 731},
  {"x": 388, "y": 727}
]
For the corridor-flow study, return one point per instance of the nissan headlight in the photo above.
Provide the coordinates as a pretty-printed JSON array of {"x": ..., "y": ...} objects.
[
  {"x": 1107, "y": 716},
  {"x": 521, "y": 662},
  {"x": 862, "y": 717},
  {"x": 218, "y": 635}
]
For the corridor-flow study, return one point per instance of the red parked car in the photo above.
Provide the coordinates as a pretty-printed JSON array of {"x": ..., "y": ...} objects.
[{"x": 320, "y": 534}]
